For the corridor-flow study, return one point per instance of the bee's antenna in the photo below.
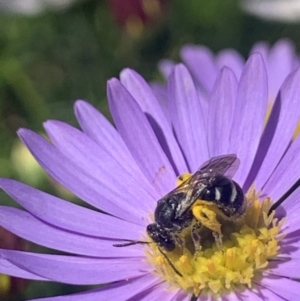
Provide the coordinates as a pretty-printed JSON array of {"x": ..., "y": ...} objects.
[
  {"x": 135, "y": 242},
  {"x": 284, "y": 197},
  {"x": 130, "y": 243},
  {"x": 170, "y": 263}
]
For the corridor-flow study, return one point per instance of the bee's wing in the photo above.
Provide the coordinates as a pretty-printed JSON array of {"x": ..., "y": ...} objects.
[
  {"x": 191, "y": 191},
  {"x": 183, "y": 187},
  {"x": 221, "y": 165}
]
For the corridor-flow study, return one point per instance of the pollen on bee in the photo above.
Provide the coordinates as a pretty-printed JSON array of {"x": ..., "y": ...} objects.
[
  {"x": 182, "y": 178},
  {"x": 206, "y": 215}
]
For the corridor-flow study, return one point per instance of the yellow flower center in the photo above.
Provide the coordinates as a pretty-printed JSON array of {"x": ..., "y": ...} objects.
[{"x": 232, "y": 253}]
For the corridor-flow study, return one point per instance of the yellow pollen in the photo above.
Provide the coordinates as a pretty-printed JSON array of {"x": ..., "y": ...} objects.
[
  {"x": 206, "y": 216},
  {"x": 219, "y": 267},
  {"x": 182, "y": 178}
]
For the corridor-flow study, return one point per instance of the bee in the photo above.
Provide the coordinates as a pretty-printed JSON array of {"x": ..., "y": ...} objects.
[{"x": 211, "y": 184}]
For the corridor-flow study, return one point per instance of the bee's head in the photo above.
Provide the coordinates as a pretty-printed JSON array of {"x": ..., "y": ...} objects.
[{"x": 161, "y": 236}]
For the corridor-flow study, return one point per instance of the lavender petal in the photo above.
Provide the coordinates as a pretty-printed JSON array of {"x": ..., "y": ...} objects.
[
  {"x": 248, "y": 118},
  {"x": 70, "y": 175},
  {"x": 98, "y": 128},
  {"x": 232, "y": 59},
  {"x": 126, "y": 289},
  {"x": 200, "y": 62},
  {"x": 221, "y": 108},
  {"x": 157, "y": 292},
  {"x": 69, "y": 216},
  {"x": 166, "y": 66},
  {"x": 279, "y": 130},
  {"x": 181, "y": 296},
  {"x": 285, "y": 268},
  {"x": 8, "y": 268},
  {"x": 282, "y": 60},
  {"x": 133, "y": 126},
  {"x": 101, "y": 166},
  {"x": 285, "y": 174},
  {"x": 161, "y": 93},
  {"x": 286, "y": 288},
  {"x": 77, "y": 270},
  {"x": 28, "y": 227},
  {"x": 187, "y": 117},
  {"x": 144, "y": 96}
]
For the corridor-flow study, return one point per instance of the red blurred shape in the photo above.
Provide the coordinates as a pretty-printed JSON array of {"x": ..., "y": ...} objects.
[
  {"x": 145, "y": 10},
  {"x": 13, "y": 285}
]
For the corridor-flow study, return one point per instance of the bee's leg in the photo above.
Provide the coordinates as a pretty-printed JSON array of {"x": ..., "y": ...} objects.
[
  {"x": 218, "y": 239},
  {"x": 196, "y": 237},
  {"x": 180, "y": 242}
]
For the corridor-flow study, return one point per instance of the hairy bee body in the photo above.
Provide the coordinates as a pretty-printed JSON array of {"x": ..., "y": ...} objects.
[{"x": 211, "y": 183}]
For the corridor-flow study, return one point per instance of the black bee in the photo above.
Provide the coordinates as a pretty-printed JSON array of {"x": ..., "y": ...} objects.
[{"x": 211, "y": 183}]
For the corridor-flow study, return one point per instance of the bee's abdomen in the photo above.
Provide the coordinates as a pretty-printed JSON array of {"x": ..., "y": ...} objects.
[{"x": 227, "y": 195}]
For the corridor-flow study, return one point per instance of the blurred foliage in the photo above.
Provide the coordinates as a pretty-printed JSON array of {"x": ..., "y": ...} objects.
[{"x": 50, "y": 60}]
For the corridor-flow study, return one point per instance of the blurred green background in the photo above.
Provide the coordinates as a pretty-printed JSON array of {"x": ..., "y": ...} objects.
[{"x": 49, "y": 60}]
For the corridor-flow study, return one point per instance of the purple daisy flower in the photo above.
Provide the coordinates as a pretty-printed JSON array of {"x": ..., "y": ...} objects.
[
  {"x": 280, "y": 60},
  {"x": 124, "y": 173}
]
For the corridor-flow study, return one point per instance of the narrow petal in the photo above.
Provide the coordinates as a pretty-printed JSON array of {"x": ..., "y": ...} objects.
[
  {"x": 144, "y": 96},
  {"x": 232, "y": 59},
  {"x": 262, "y": 48},
  {"x": 139, "y": 137},
  {"x": 101, "y": 166},
  {"x": 157, "y": 292},
  {"x": 250, "y": 110},
  {"x": 221, "y": 108},
  {"x": 166, "y": 67},
  {"x": 161, "y": 93},
  {"x": 187, "y": 117},
  {"x": 232, "y": 296},
  {"x": 285, "y": 174},
  {"x": 289, "y": 247},
  {"x": 249, "y": 295},
  {"x": 181, "y": 296},
  {"x": 8, "y": 268},
  {"x": 279, "y": 130},
  {"x": 30, "y": 228},
  {"x": 270, "y": 296},
  {"x": 126, "y": 289},
  {"x": 66, "y": 172},
  {"x": 286, "y": 288},
  {"x": 76, "y": 270},
  {"x": 98, "y": 128},
  {"x": 285, "y": 268},
  {"x": 69, "y": 216},
  {"x": 200, "y": 62},
  {"x": 282, "y": 60},
  {"x": 290, "y": 209},
  {"x": 266, "y": 294}
]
